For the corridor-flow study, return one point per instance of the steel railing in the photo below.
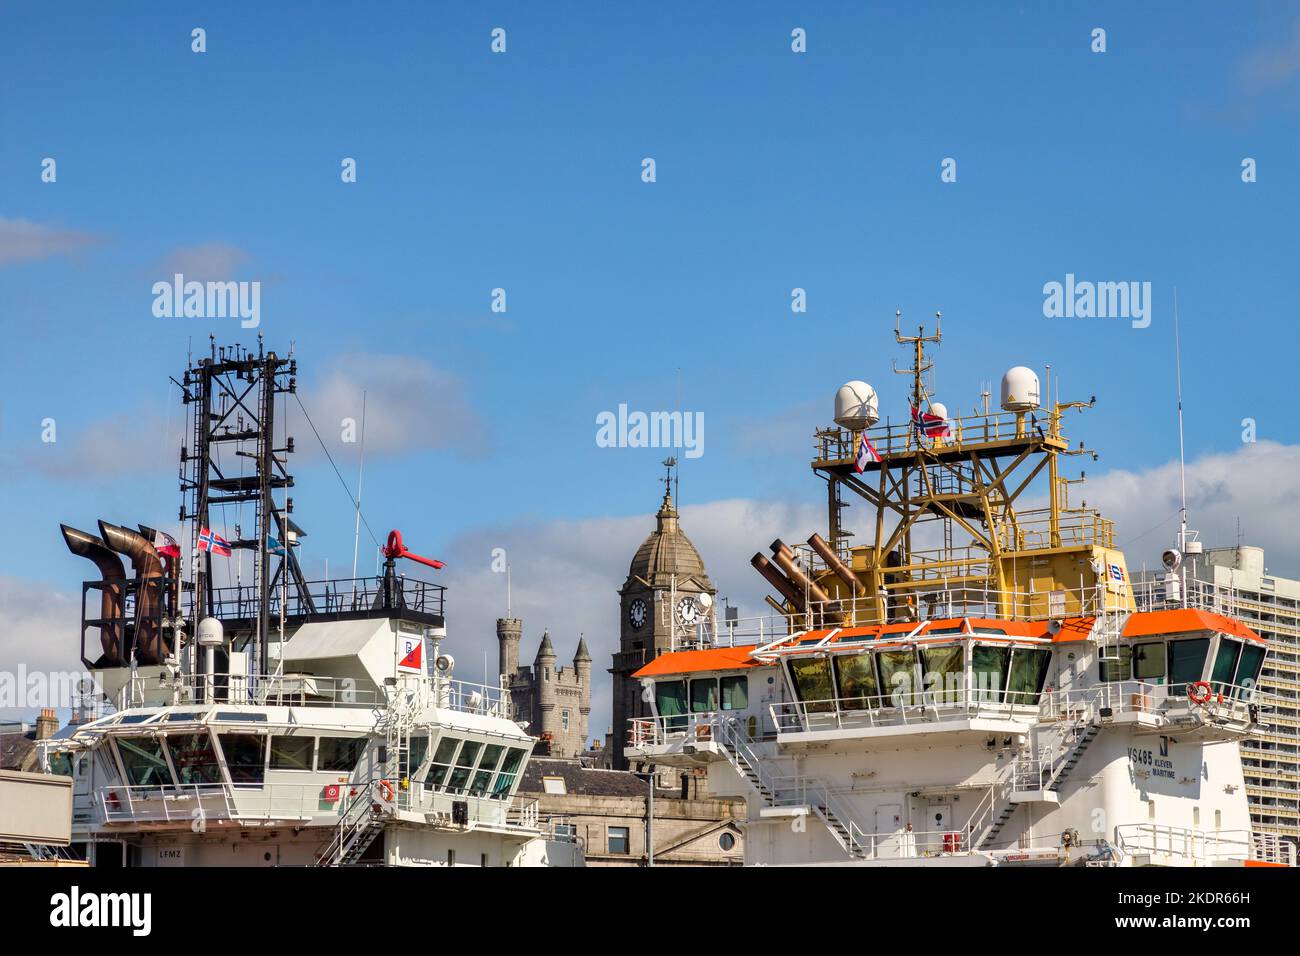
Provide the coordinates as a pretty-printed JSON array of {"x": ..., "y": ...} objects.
[{"x": 146, "y": 687}]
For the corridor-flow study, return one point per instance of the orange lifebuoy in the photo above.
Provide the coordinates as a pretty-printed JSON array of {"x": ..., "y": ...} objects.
[
  {"x": 386, "y": 790},
  {"x": 1202, "y": 698}
]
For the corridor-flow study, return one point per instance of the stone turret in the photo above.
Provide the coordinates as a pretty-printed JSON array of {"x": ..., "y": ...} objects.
[{"x": 510, "y": 630}]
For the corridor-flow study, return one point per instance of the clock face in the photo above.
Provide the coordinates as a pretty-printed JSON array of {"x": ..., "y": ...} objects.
[
  {"x": 688, "y": 611},
  {"x": 636, "y": 613}
]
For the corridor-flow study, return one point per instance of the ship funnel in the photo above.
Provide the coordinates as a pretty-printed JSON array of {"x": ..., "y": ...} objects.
[
  {"x": 86, "y": 545},
  {"x": 784, "y": 559},
  {"x": 149, "y": 646}
]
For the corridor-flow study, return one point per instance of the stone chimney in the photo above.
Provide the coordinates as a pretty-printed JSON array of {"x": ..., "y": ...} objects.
[{"x": 46, "y": 724}]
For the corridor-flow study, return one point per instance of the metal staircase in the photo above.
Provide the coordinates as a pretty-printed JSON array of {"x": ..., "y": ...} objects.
[
  {"x": 788, "y": 791},
  {"x": 361, "y": 822}
]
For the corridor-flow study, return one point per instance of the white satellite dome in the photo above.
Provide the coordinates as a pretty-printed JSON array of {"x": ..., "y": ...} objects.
[
  {"x": 210, "y": 633},
  {"x": 1020, "y": 390},
  {"x": 940, "y": 409},
  {"x": 856, "y": 406}
]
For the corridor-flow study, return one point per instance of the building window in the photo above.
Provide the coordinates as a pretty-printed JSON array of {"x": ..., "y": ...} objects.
[
  {"x": 618, "y": 840},
  {"x": 554, "y": 785},
  {"x": 727, "y": 841},
  {"x": 564, "y": 719}
]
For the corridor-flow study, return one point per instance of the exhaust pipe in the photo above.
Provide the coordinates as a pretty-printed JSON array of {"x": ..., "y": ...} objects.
[
  {"x": 830, "y": 610},
  {"x": 149, "y": 646},
  {"x": 833, "y": 561},
  {"x": 778, "y": 580},
  {"x": 171, "y": 571},
  {"x": 86, "y": 545}
]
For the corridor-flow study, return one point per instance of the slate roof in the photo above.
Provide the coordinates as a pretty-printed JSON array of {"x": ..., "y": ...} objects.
[
  {"x": 14, "y": 749},
  {"x": 584, "y": 781}
]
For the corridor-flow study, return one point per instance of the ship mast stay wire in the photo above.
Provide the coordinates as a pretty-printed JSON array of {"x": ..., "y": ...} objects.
[{"x": 351, "y": 498}]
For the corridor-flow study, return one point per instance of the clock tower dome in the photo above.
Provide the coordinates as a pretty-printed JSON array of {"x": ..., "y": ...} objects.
[{"x": 667, "y": 594}]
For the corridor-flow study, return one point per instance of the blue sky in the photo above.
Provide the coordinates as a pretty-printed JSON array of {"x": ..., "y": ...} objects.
[{"x": 775, "y": 170}]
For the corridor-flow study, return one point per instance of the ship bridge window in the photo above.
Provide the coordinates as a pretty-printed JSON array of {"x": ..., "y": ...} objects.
[
  {"x": 143, "y": 761},
  {"x": 936, "y": 631},
  {"x": 855, "y": 680},
  {"x": 1186, "y": 662},
  {"x": 1149, "y": 660},
  {"x": 509, "y": 771},
  {"x": 811, "y": 678},
  {"x": 1028, "y": 671},
  {"x": 670, "y": 701},
  {"x": 1225, "y": 664},
  {"x": 194, "y": 758},
  {"x": 944, "y": 672},
  {"x": 245, "y": 757},
  {"x": 989, "y": 666},
  {"x": 341, "y": 754},
  {"x": 61, "y": 763},
  {"x": 135, "y": 718},
  {"x": 291, "y": 753},
  {"x": 235, "y": 716},
  {"x": 486, "y": 767},
  {"x": 735, "y": 692},
  {"x": 1252, "y": 659},
  {"x": 177, "y": 718},
  {"x": 465, "y": 762},
  {"x": 900, "y": 676},
  {"x": 704, "y": 695},
  {"x": 1116, "y": 670},
  {"x": 442, "y": 758}
]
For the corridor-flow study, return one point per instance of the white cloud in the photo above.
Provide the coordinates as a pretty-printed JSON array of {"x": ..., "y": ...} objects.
[
  {"x": 39, "y": 636},
  {"x": 24, "y": 241},
  {"x": 1256, "y": 483},
  {"x": 208, "y": 262},
  {"x": 1274, "y": 63},
  {"x": 410, "y": 405}
]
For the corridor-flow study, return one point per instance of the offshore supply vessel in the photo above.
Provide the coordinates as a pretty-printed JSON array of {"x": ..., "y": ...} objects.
[
  {"x": 979, "y": 682},
  {"x": 281, "y": 721}
]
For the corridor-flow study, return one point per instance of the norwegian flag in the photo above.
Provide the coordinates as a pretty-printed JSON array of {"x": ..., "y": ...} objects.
[
  {"x": 866, "y": 454},
  {"x": 211, "y": 541},
  {"x": 933, "y": 426}
]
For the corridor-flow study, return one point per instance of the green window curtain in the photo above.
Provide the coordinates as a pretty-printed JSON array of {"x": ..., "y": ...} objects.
[
  {"x": 1225, "y": 664},
  {"x": 1252, "y": 660},
  {"x": 735, "y": 693},
  {"x": 1186, "y": 662},
  {"x": 704, "y": 695}
]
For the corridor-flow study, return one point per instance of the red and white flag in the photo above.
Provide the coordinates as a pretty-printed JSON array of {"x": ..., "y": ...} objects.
[
  {"x": 866, "y": 454},
  {"x": 166, "y": 545}
]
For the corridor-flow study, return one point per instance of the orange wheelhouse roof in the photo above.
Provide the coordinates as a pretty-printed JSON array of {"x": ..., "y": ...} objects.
[
  {"x": 691, "y": 662},
  {"x": 1182, "y": 619}
]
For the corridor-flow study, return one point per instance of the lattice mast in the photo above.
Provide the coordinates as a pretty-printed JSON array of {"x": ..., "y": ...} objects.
[
  {"x": 968, "y": 473},
  {"x": 230, "y": 395}
]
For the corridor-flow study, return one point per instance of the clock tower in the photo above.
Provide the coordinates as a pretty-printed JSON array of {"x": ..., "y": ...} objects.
[{"x": 666, "y": 595}]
